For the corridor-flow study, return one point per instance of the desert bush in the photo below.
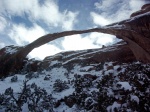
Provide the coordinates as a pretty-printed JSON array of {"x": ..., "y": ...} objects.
[
  {"x": 14, "y": 79},
  {"x": 60, "y": 85}
]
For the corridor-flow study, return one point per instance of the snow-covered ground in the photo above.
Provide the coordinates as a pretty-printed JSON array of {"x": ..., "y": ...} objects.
[{"x": 118, "y": 85}]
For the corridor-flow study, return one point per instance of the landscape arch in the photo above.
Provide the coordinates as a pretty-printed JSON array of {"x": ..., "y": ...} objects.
[{"x": 135, "y": 31}]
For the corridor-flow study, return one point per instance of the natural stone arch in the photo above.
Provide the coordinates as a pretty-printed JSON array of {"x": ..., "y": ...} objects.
[{"x": 135, "y": 31}]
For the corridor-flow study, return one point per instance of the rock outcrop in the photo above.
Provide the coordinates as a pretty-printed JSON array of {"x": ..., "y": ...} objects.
[
  {"x": 119, "y": 52},
  {"x": 145, "y": 8},
  {"x": 134, "y": 31}
]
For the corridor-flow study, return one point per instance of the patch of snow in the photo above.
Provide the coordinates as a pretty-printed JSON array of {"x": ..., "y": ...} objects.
[
  {"x": 86, "y": 68},
  {"x": 116, "y": 67},
  {"x": 106, "y": 64},
  {"x": 53, "y": 62},
  {"x": 109, "y": 72},
  {"x": 11, "y": 50},
  {"x": 110, "y": 92},
  {"x": 16, "y": 86},
  {"x": 93, "y": 90},
  {"x": 111, "y": 108},
  {"x": 25, "y": 107},
  {"x": 64, "y": 93},
  {"x": 64, "y": 108},
  {"x": 125, "y": 85},
  {"x": 76, "y": 53},
  {"x": 138, "y": 16},
  {"x": 134, "y": 98},
  {"x": 148, "y": 90}
]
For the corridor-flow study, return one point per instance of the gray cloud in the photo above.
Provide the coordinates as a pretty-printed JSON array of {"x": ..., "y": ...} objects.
[
  {"x": 48, "y": 12},
  {"x": 116, "y": 10}
]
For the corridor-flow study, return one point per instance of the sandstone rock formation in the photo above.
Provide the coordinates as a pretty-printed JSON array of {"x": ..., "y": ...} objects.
[
  {"x": 119, "y": 52},
  {"x": 135, "y": 31},
  {"x": 145, "y": 8}
]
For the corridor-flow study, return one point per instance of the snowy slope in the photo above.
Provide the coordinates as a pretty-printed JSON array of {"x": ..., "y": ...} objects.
[
  {"x": 78, "y": 81},
  {"x": 108, "y": 86}
]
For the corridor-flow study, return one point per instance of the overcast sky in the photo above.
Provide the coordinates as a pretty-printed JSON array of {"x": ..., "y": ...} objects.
[{"x": 23, "y": 21}]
